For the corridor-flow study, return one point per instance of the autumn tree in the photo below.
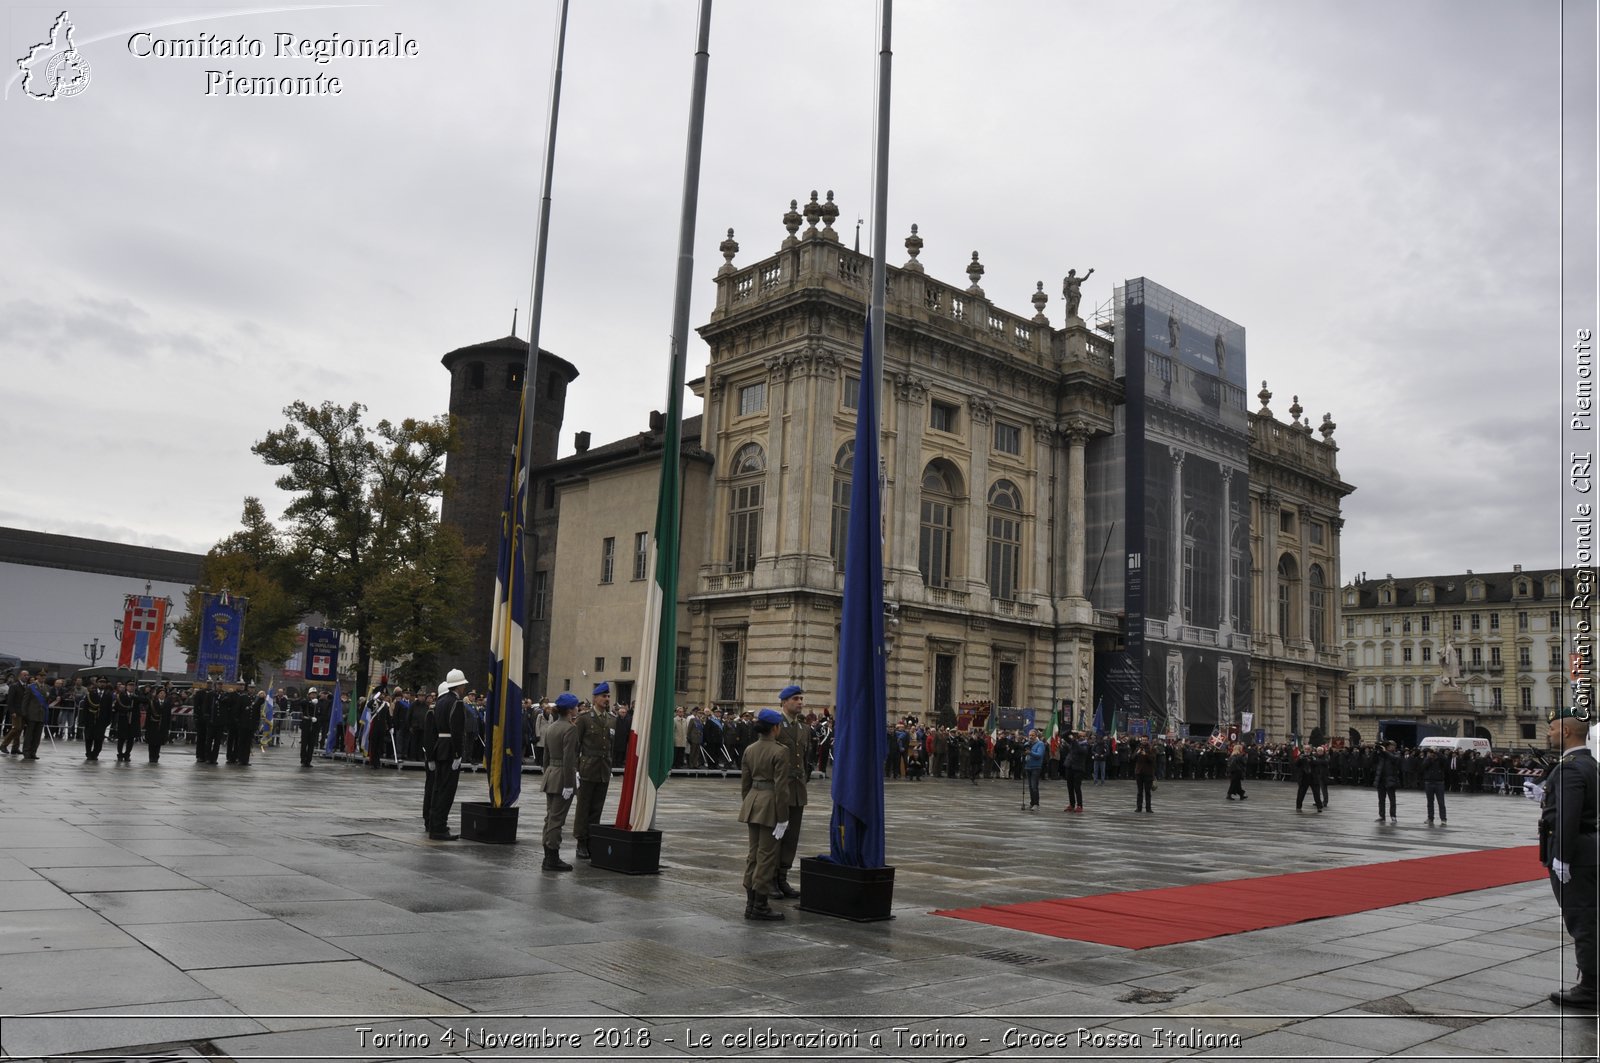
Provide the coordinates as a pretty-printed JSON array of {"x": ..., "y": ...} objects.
[
  {"x": 362, "y": 523},
  {"x": 248, "y": 564},
  {"x": 415, "y": 619}
]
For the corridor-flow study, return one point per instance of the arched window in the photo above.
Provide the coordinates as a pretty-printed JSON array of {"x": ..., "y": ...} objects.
[
  {"x": 843, "y": 466},
  {"x": 1199, "y": 570},
  {"x": 1005, "y": 538},
  {"x": 747, "y": 481},
  {"x": 1319, "y": 606},
  {"x": 941, "y": 489},
  {"x": 1288, "y": 598}
]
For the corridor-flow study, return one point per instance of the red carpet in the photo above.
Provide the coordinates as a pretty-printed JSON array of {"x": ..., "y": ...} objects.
[{"x": 1142, "y": 919}]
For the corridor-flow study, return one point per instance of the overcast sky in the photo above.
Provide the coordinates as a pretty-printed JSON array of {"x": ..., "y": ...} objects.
[{"x": 1371, "y": 188}]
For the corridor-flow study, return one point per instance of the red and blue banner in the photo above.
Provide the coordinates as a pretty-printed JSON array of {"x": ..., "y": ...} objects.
[
  {"x": 221, "y": 624},
  {"x": 144, "y": 629}
]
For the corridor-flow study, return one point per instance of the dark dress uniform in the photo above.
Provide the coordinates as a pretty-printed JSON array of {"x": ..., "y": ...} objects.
[
  {"x": 1567, "y": 833},
  {"x": 156, "y": 722},
  {"x": 445, "y": 731},
  {"x": 205, "y": 715},
  {"x": 1144, "y": 778},
  {"x": 125, "y": 721},
  {"x": 309, "y": 710},
  {"x": 96, "y": 714},
  {"x": 1307, "y": 771},
  {"x": 378, "y": 734}
]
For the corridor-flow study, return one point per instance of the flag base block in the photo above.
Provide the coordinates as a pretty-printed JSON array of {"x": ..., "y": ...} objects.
[
  {"x": 860, "y": 894},
  {"x": 632, "y": 852},
  {"x": 483, "y": 822}
]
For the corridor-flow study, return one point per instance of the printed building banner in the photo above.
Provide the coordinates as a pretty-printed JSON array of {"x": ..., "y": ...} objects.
[
  {"x": 322, "y": 654},
  {"x": 144, "y": 630},
  {"x": 221, "y": 624}
]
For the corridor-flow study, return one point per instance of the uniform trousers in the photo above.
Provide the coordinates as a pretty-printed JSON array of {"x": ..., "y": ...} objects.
[
  {"x": 1146, "y": 793},
  {"x": 438, "y": 795},
  {"x": 1386, "y": 791},
  {"x": 94, "y": 736},
  {"x": 761, "y": 860},
  {"x": 1578, "y": 900},
  {"x": 125, "y": 736},
  {"x": 555, "y": 817},
  {"x": 1316, "y": 794},
  {"x": 591, "y": 799},
  {"x": 1074, "y": 788},
  {"x": 790, "y": 843}
]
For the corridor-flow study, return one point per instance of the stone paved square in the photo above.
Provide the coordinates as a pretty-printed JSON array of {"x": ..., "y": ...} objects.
[{"x": 276, "y": 912}]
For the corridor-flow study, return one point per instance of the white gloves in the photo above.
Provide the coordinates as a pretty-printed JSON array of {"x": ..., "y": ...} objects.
[
  {"x": 575, "y": 775},
  {"x": 1533, "y": 791},
  {"x": 777, "y": 832},
  {"x": 1561, "y": 871},
  {"x": 428, "y": 764},
  {"x": 566, "y": 794},
  {"x": 455, "y": 765}
]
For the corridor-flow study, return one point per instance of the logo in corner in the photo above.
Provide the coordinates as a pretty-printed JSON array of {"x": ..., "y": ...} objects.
[{"x": 54, "y": 69}]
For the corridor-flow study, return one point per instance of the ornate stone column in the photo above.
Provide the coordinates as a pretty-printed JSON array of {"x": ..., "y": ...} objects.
[
  {"x": 1077, "y": 433},
  {"x": 824, "y": 401},
  {"x": 772, "y": 502},
  {"x": 1305, "y": 516},
  {"x": 977, "y": 532},
  {"x": 911, "y": 401},
  {"x": 1036, "y": 577},
  {"x": 1269, "y": 564},
  {"x": 1225, "y": 554}
]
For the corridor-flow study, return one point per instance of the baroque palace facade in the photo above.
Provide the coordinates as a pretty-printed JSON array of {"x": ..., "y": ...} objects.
[{"x": 990, "y": 573}]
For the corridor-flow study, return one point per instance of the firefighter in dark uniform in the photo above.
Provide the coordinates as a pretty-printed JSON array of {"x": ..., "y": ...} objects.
[
  {"x": 1570, "y": 847},
  {"x": 795, "y": 735},
  {"x": 230, "y": 721},
  {"x": 445, "y": 736},
  {"x": 596, "y": 729},
  {"x": 156, "y": 722},
  {"x": 124, "y": 720},
  {"x": 310, "y": 706},
  {"x": 250, "y": 713},
  {"x": 96, "y": 714}
]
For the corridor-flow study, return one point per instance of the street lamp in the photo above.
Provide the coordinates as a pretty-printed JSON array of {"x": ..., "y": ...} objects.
[{"x": 94, "y": 651}]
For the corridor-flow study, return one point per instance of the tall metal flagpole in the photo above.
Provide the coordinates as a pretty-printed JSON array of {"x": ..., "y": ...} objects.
[
  {"x": 880, "y": 190},
  {"x": 530, "y": 372}
]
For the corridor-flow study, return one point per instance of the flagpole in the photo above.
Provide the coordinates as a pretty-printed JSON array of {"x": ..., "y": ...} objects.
[
  {"x": 652, "y": 736},
  {"x": 530, "y": 372},
  {"x": 880, "y": 192}
]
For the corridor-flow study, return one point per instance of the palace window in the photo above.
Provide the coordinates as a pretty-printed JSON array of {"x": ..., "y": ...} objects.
[
  {"x": 608, "y": 558},
  {"x": 1427, "y": 624},
  {"x": 940, "y": 491},
  {"x": 1319, "y": 606},
  {"x": 839, "y": 530},
  {"x": 1288, "y": 597},
  {"x": 1494, "y": 621},
  {"x": 1314, "y": 533},
  {"x": 1427, "y": 654},
  {"x": 850, "y": 395},
  {"x": 1522, "y": 621},
  {"x": 745, "y": 493},
  {"x": 1424, "y": 593},
  {"x": 1524, "y": 657},
  {"x": 541, "y": 593},
  {"x": 942, "y": 417},
  {"x": 1455, "y": 621},
  {"x": 681, "y": 671},
  {"x": 728, "y": 671},
  {"x": 641, "y": 555},
  {"x": 1525, "y": 697},
  {"x": 1007, "y": 438},
  {"x": 1477, "y": 622},
  {"x": 1405, "y": 655},
  {"x": 1005, "y": 540},
  {"x": 752, "y": 398}
]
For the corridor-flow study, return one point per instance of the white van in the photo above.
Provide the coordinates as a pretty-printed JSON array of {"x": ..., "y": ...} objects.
[{"x": 1459, "y": 745}]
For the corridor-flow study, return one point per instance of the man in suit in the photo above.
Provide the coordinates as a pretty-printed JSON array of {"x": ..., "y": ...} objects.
[
  {"x": 26, "y": 702},
  {"x": 763, "y": 780},
  {"x": 1570, "y": 847},
  {"x": 560, "y": 778},
  {"x": 596, "y": 733},
  {"x": 445, "y": 735},
  {"x": 310, "y": 706},
  {"x": 1388, "y": 779}
]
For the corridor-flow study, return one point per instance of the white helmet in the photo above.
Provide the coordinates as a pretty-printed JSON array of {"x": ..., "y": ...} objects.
[
  {"x": 443, "y": 687},
  {"x": 456, "y": 678}
]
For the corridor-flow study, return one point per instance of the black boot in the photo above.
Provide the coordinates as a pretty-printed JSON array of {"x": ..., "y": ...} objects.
[
  {"x": 553, "y": 861},
  {"x": 583, "y": 851},
  {"x": 781, "y": 890},
  {"x": 759, "y": 910},
  {"x": 1581, "y": 997}
]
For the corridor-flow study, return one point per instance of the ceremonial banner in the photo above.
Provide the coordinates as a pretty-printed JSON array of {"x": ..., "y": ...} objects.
[
  {"x": 503, "y": 749},
  {"x": 221, "y": 623},
  {"x": 322, "y": 654},
  {"x": 144, "y": 629}
]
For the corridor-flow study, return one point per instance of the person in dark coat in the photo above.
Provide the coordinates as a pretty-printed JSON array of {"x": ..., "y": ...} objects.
[
  {"x": 1075, "y": 764},
  {"x": 1387, "y": 779},
  {"x": 124, "y": 720},
  {"x": 1144, "y": 777},
  {"x": 1434, "y": 772},
  {"x": 157, "y": 721},
  {"x": 1570, "y": 847},
  {"x": 1306, "y": 772},
  {"x": 310, "y": 709},
  {"x": 445, "y": 732},
  {"x": 1236, "y": 764},
  {"x": 96, "y": 715}
]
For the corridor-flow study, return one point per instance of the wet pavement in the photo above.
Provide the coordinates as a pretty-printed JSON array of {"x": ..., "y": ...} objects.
[{"x": 277, "y": 912}]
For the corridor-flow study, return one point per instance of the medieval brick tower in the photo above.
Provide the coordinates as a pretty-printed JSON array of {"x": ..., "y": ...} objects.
[{"x": 485, "y": 390}]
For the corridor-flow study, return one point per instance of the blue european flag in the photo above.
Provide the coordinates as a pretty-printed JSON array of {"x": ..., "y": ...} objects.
[{"x": 861, "y": 738}]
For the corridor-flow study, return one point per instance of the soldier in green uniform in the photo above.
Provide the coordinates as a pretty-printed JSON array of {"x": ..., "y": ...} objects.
[
  {"x": 763, "y": 779},
  {"x": 795, "y": 736},
  {"x": 1569, "y": 845},
  {"x": 596, "y": 731},
  {"x": 560, "y": 778}
]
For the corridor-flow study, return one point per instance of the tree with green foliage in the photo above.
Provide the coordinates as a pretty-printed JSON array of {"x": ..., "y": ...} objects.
[
  {"x": 362, "y": 523},
  {"x": 248, "y": 564},
  {"x": 413, "y": 622}
]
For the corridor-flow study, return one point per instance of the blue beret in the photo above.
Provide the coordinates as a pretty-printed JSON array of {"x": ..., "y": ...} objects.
[
  {"x": 566, "y": 701},
  {"x": 602, "y": 688},
  {"x": 788, "y": 692},
  {"x": 769, "y": 716}
]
